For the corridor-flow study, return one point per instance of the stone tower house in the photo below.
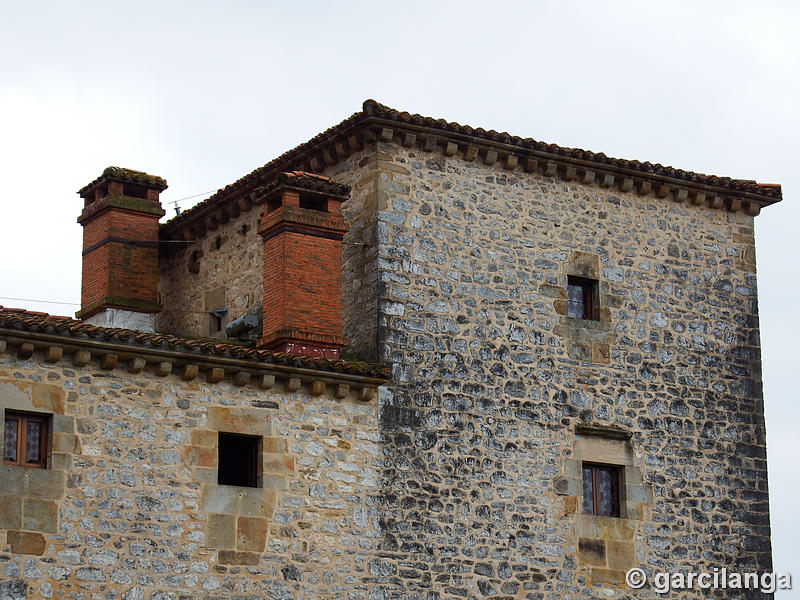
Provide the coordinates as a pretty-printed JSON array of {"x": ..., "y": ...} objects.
[{"x": 574, "y": 384}]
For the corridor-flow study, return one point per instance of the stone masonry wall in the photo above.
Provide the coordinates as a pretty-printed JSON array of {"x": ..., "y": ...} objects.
[
  {"x": 486, "y": 421},
  {"x": 229, "y": 276},
  {"x": 360, "y": 251},
  {"x": 130, "y": 508},
  {"x": 232, "y": 275}
]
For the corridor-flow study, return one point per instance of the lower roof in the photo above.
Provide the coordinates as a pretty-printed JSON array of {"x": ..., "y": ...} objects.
[{"x": 15, "y": 320}]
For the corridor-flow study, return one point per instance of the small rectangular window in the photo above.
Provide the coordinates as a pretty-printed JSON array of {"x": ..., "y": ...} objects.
[
  {"x": 238, "y": 459},
  {"x": 580, "y": 298},
  {"x": 25, "y": 439},
  {"x": 601, "y": 489}
]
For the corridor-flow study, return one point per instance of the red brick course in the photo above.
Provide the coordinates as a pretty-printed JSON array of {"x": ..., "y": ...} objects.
[
  {"x": 120, "y": 253},
  {"x": 302, "y": 296}
]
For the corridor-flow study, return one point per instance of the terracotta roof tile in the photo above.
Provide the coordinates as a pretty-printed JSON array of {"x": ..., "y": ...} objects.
[{"x": 37, "y": 322}]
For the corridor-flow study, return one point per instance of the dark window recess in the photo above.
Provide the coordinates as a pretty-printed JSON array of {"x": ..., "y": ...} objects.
[
  {"x": 601, "y": 489},
  {"x": 134, "y": 191},
  {"x": 314, "y": 203},
  {"x": 580, "y": 298},
  {"x": 238, "y": 459},
  {"x": 25, "y": 440},
  {"x": 193, "y": 265}
]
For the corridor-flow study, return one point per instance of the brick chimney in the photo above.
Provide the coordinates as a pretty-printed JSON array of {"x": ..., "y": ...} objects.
[
  {"x": 119, "y": 287},
  {"x": 302, "y": 228}
]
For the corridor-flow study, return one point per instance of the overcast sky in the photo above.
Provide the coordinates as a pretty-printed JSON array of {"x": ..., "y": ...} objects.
[{"x": 201, "y": 93}]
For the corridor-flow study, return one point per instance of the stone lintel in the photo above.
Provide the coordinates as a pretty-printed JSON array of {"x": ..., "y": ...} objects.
[{"x": 600, "y": 430}]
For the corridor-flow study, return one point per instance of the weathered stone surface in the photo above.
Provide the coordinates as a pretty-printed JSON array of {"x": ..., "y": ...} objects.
[
  {"x": 472, "y": 314},
  {"x": 231, "y": 557},
  {"x": 251, "y": 534},
  {"x": 221, "y": 531},
  {"x": 39, "y": 515},
  {"x": 25, "y": 542},
  {"x": 10, "y": 512},
  {"x": 14, "y": 589},
  {"x": 592, "y": 551},
  {"x": 135, "y": 503}
]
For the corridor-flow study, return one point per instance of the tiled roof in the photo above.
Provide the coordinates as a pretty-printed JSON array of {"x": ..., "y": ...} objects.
[
  {"x": 373, "y": 108},
  {"x": 374, "y": 112},
  {"x": 125, "y": 176},
  {"x": 37, "y": 322}
]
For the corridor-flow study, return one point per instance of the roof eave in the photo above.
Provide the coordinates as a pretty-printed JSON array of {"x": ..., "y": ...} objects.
[{"x": 376, "y": 123}]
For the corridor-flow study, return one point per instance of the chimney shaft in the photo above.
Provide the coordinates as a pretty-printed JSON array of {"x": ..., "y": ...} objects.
[
  {"x": 302, "y": 228},
  {"x": 119, "y": 287}
]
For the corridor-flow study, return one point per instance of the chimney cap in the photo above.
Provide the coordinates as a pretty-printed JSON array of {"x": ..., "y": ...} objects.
[
  {"x": 309, "y": 183},
  {"x": 124, "y": 176}
]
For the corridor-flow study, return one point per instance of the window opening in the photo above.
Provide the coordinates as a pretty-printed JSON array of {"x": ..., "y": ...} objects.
[
  {"x": 238, "y": 459},
  {"x": 601, "y": 489},
  {"x": 580, "y": 298},
  {"x": 25, "y": 440}
]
